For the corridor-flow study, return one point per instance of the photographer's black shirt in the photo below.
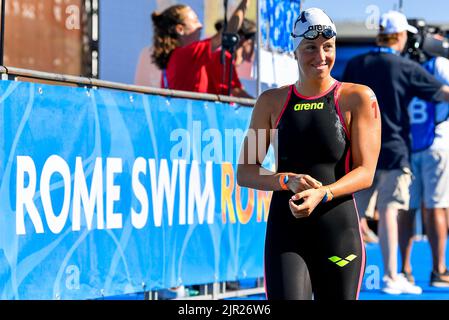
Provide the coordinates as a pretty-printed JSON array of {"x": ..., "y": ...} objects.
[{"x": 395, "y": 80}]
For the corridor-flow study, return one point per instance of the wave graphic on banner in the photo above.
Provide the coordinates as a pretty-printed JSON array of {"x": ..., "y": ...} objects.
[{"x": 106, "y": 192}]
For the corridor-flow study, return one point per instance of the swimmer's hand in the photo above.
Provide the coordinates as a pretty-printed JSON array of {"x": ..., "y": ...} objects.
[
  {"x": 301, "y": 182},
  {"x": 311, "y": 198}
]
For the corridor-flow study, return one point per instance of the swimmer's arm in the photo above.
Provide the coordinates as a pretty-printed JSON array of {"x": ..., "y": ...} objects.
[
  {"x": 250, "y": 172},
  {"x": 234, "y": 24},
  {"x": 241, "y": 93},
  {"x": 236, "y": 21},
  {"x": 365, "y": 135},
  {"x": 442, "y": 95}
]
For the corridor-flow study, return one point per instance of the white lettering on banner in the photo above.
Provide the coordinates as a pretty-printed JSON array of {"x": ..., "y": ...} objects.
[
  {"x": 24, "y": 195},
  {"x": 139, "y": 219},
  {"x": 55, "y": 164},
  {"x": 164, "y": 182},
  {"x": 90, "y": 201},
  {"x": 182, "y": 191},
  {"x": 417, "y": 111},
  {"x": 201, "y": 199},
  {"x": 165, "y": 185},
  {"x": 113, "y": 220}
]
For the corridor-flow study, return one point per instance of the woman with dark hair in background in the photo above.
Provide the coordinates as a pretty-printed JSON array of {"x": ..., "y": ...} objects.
[{"x": 180, "y": 53}]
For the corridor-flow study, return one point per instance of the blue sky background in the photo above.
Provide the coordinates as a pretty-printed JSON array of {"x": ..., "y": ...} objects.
[
  {"x": 433, "y": 11},
  {"x": 126, "y": 29}
]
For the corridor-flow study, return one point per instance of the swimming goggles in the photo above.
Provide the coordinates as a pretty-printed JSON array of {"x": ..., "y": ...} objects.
[{"x": 312, "y": 34}]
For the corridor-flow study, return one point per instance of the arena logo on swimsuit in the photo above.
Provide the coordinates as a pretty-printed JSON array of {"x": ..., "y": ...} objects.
[{"x": 309, "y": 106}]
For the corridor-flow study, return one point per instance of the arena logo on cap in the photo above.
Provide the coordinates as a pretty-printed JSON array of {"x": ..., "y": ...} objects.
[
  {"x": 319, "y": 27},
  {"x": 302, "y": 18}
]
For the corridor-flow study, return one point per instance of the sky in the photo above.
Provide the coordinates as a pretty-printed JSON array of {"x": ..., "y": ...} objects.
[
  {"x": 433, "y": 11},
  {"x": 121, "y": 43}
]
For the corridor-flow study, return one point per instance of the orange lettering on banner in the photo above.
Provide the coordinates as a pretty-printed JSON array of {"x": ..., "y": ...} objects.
[
  {"x": 244, "y": 215},
  {"x": 263, "y": 204},
  {"x": 227, "y": 172}
]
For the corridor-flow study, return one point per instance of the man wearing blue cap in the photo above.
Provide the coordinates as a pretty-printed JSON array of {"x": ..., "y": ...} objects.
[{"x": 395, "y": 81}]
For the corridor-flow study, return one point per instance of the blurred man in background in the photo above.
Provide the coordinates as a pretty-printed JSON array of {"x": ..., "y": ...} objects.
[{"x": 395, "y": 81}]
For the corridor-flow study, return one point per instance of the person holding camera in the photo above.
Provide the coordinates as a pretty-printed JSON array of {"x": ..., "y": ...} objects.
[
  {"x": 178, "y": 50},
  {"x": 430, "y": 166},
  {"x": 243, "y": 51},
  {"x": 395, "y": 81}
]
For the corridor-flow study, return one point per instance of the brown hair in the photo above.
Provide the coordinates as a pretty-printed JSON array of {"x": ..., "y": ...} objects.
[
  {"x": 386, "y": 39},
  {"x": 247, "y": 30},
  {"x": 165, "y": 37}
]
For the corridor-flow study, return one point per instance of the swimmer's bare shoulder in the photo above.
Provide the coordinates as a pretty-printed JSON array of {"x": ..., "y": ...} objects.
[
  {"x": 354, "y": 97},
  {"x": 270, "y": 103}
]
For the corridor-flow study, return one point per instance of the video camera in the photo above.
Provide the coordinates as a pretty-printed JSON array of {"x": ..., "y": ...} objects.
[{"x": 430, "y": 40}]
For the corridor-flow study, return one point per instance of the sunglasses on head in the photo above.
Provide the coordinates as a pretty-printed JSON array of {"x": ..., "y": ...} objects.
[{"x": 312, "y": 34}]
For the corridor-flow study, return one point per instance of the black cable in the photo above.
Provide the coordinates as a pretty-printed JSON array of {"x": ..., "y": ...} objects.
[
  {"x": 2, "y": 37},
  {"x": 229, "y": 42},
  {"x": 223, "y": 49},
  {"x": 230, "y": 74},
  {"x": 225, "y": 22}
]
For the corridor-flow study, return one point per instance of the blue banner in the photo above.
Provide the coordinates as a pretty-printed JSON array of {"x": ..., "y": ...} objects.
[
  {"x": 277, "y": 20},
  {"x": 105, "y": 192}
]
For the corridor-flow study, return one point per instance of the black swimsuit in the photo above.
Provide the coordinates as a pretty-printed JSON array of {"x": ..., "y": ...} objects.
[{"x": 323, "y": 253}]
